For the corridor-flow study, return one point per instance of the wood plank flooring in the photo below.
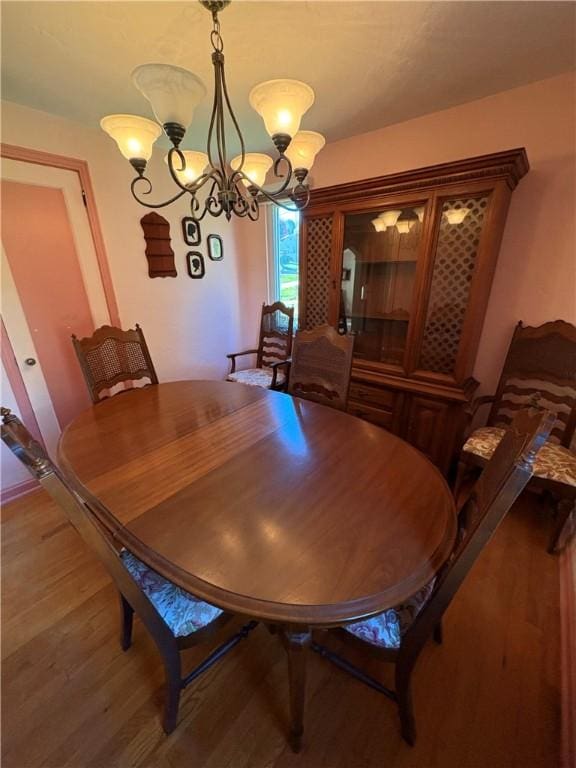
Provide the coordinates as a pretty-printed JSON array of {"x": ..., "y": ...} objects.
[{"x": 488, "y": 697}]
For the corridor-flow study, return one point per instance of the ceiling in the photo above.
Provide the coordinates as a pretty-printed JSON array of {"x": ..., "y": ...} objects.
[{"x": 371, "y": 63}]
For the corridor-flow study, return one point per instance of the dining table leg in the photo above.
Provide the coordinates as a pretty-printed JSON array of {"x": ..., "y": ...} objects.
[{"x": 297, "y": 641}]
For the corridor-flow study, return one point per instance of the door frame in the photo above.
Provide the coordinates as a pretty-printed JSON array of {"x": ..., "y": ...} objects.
[{"x": 80, "y": 167}]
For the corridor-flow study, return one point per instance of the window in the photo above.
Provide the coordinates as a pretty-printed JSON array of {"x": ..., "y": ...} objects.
[{"x": 283, "y": 257}]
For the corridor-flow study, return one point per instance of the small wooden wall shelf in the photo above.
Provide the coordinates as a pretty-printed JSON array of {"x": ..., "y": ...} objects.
[{"x": 159, "y": 253}]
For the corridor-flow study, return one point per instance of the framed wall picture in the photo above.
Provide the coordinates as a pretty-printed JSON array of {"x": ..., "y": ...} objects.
[
  {"x": 191, "y": 231},
  {"x": 195, "y": 265},
  {"x": 215, "y": 248}
]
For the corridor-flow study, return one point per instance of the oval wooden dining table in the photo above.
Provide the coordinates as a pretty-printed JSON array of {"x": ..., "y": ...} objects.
[{"x": 265, "y": 505}]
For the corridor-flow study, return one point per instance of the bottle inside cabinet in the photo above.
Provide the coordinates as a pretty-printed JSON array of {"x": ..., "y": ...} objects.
[{"x": 379, "y": 259}]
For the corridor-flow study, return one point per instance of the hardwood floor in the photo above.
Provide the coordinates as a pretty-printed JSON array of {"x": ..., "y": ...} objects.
[{"x": 488, "y": 697}]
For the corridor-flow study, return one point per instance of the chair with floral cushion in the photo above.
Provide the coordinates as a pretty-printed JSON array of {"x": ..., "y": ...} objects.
[
  {"x": 398, "y": 634},
  {"x": 175, "y": 618},
  {"x": 540, "y": 366},
  {"x": 273, "y": 352}
]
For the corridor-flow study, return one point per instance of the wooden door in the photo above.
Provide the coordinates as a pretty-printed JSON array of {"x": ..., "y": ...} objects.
[{"x": 51, "y": 288}]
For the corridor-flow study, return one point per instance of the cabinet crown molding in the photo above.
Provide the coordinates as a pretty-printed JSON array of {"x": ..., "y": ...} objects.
[{"x": 510, "y": 165}]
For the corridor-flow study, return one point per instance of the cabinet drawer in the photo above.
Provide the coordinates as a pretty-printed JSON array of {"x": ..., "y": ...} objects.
[
  {"x": 375, "y": 415},
  {"x": 377, "y": 396}
]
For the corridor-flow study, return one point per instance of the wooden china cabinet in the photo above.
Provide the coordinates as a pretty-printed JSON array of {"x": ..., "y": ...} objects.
[{"x": 405, "y": 262}]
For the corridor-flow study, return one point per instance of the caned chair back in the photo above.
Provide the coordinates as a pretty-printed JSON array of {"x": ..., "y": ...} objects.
[
  {"x": 276, "y": 330},
  {"x": 501, "y": 482},
  {"x": 103, "y": 540},
  {"x": 112, "y": 356},
  {"x": 541, "y": 362},
  {"x": 321, "y": 366}
]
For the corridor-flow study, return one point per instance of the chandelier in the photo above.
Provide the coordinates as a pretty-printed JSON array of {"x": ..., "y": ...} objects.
[{"x": 233, "y": 186}]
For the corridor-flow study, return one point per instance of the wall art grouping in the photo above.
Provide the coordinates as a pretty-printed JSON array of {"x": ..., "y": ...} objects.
[{"x": 160, "y": 255}]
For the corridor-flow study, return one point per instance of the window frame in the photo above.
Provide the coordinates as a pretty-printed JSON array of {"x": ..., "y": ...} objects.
[{"x": 273, "y": 258}]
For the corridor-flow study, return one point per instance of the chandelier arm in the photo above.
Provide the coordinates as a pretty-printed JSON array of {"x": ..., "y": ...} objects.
[
  {"x": 247, "y": 205},
  {"x": 239, "y": 174},
  {"x": 289, "y": 175},
  {"x": 214, "y": 175},
  {"x": 254, "y": 212},
  {"x": 220, "y": 133},
  {"x": 149, "y": 183},
  {"x": 287, "y": 207},
  {"x": 252, "y": 209},
  {"x": 214, "y": 210},
  {"x": 196, "y": 185},
  {"x": 171, "y": 152},
  {"x": 240, "y": 204},
  {"x": 233, "y": 117},
  {"x": 211, "y": 132},
  {"x": 212, "y": 205},
  {"x": 299, "y": 189}
]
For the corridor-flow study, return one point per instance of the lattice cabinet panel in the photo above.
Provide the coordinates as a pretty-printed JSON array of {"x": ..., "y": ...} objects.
[
  {"x": 318, "y": 270},
  {"x": 456, "y": 252}
]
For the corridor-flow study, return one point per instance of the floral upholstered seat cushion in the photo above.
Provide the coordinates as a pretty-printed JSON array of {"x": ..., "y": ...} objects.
[
  {"x": 553, "y": 462},
  {"x": 183, "y": 612},
  {"x": 257, "y": 377},
  {"x": 386, "y": 629}
]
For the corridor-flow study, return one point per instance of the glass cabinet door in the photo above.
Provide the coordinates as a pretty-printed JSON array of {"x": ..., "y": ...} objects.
[{"x": 380, "y": 252}]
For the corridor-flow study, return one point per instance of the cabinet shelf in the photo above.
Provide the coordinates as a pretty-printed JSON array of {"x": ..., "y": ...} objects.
[
  {"x": 393, "y": 261},
  {"x": 411, "y": 262},
  {"x": 390, "y": 317}
]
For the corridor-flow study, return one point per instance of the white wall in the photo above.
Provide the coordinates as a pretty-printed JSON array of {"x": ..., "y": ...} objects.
[{"x": 190, "y": 325}]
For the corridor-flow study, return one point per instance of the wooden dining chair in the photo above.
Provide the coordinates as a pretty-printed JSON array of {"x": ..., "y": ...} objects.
[
  {"x": 321, "y": 365},
  {"x": 541, "y": 365},
  {"x": 273, "y": 352},
  {"x": 175, "y": 618},
  {"x": 112, "y": 356},
  {"x": 398, "y": 635}
]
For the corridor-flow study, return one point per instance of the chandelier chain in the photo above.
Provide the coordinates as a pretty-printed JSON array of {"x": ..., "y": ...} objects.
[{"x": 215, "y": 36}]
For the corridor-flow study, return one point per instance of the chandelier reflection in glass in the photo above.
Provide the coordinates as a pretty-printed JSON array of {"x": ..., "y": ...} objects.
[{"x": 232, "y": 186}]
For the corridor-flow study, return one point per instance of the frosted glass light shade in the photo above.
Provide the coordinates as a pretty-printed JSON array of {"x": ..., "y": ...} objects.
[
  {"x": 404, "y": 226},
  {"x": 134, "y": 135},
  {"x": 303, "y": 149},
  {"x": 281, "y": 104},
  {"x": 456, "y": 215},
  {"x": 173, "y": 92},
  {"x": 389, "y": 218},
  {"x": 195, "y": 164},
  {"x": 420, "y": 213},
  {"x": 256, "y": 166},
  {"x": 379, "y": 224}
]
